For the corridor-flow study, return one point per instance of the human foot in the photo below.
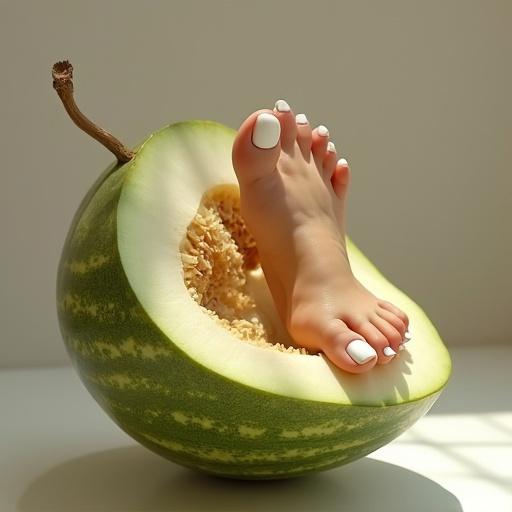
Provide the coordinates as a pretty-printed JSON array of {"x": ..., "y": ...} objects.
[{"x": 292, "y": 192}]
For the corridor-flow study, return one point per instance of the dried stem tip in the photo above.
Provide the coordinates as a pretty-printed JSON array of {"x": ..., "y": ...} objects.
[{"x": 62, "y": 73}]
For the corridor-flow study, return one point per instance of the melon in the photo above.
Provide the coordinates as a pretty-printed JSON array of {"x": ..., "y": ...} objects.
[{"x": 168, "y": 320}]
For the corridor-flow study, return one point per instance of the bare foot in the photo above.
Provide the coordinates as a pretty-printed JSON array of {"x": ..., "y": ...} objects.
[{"x": 293, "y": 191}]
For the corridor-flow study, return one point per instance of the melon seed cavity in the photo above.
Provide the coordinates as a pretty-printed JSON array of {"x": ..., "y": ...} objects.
[{"x": 216, "y": 253}]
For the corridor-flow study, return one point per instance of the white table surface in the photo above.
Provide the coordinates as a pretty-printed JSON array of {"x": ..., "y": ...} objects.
[{"x": 60, "y": 452}]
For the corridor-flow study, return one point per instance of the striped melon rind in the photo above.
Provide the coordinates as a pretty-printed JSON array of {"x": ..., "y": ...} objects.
[{"x": 174, "y": 379}]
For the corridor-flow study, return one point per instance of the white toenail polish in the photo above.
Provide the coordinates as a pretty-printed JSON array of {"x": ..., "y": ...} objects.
[
  {"x": 331, "y": 147},
  {"x": 301, "y": 119},
  {"x": 282, "y": 106},
  {"x": 342, "y": 161},
  {"x": 388, "y": 351},
  {"x": 407, "y": 337},
  {"x": 360, "y": 351},
  {"x": 323, "y": 131},
  {"x": 266, "y": 131},
  {"x": 401, "y": 347}
]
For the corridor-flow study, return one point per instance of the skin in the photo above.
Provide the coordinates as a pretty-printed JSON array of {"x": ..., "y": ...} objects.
[{"x": 293, "y": 199}]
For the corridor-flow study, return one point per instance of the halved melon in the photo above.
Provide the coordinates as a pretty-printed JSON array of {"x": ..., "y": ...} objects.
[{"x": 169, "y": 322}]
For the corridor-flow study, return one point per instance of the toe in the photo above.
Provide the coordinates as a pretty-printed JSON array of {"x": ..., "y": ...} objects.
[
  {"x": 396, "y": 311},
  {"x": 341, "y": 178},
  {"x": 347, "y": 349},
  {"x": 256, "y": 148},
  {"x": 376, "y": 339},
  {"x": 329, "y": 163},
  {"x": 394, "y": 320},
  {"x": 288, "y": 125},
  {"x": 320, "y": 138},
  {"x": 392, "y": 335},
  {"x": 304, "y": 135}
]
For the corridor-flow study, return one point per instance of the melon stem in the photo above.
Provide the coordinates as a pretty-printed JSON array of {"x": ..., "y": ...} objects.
[{"x": 62, "y": 73}]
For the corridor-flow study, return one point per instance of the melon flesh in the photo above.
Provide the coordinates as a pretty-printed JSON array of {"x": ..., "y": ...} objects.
[
  {"x": 169, "y": 322},
  {"x": 154, "y": 214}
]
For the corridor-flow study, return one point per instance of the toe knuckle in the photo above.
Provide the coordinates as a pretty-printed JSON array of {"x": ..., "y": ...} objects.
[
  {"x": 381, "y": 341},
  {"x": 395, "y": 339}
]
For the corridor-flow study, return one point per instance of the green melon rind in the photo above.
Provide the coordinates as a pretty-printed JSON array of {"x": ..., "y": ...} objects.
[{"x": 175, "y": 406}]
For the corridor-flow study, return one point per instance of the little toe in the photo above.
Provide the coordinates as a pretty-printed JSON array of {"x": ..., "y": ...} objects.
[
  {"x": 320, "y": 139},
  {"x": 347, "y": 349},
  {"x": 394, "y": 320},
  {"x": 304, "y": 135},
  {"x": 397, "y": 311},
  {"x": 329, "y": 163},
  {"x": 288, "y": 125},
  {"x": 376, "y": 339},
  {"x": 392, "y": 335},
  {"x": 256, "y": 148},
  {"x": 341, "y": 178}
]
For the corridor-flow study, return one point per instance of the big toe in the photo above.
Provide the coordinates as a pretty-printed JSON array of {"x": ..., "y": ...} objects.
[
  {"x": 257, "y": 146},
  {"x": 347, "y": 349}
]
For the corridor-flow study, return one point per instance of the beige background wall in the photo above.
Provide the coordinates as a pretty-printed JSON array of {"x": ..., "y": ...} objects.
[{"x": 417, "y": 96}]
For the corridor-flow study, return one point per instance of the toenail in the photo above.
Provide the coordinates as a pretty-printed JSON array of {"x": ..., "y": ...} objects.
[
  {"x": 388, "y": 351},
  {"x": 407, "y": 337},
  {"x": 331, "y": 147},
  {"x": 301, "y": 119},
  {"x": 401, "y": 347},
  {"x": 360, "y": 351},
  {"x": 282, "y": 106},
  {"x": 266, "y": 131},
  {"x": 342, "y": 161},
  {"x": 322, "y": 130}
]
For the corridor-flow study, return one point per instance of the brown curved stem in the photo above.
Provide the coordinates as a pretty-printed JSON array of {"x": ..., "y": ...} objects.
[{"x": 62, "y": 73}]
